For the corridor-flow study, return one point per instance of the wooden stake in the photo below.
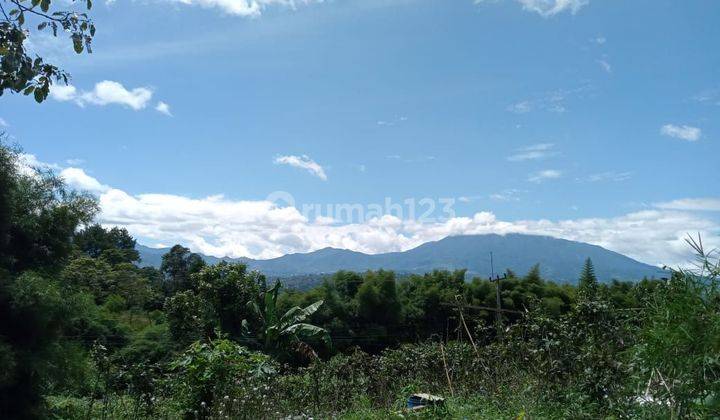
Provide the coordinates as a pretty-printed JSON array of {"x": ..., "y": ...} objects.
[
  {"x": 447, "y": 374},
  {"x": 467, "y": 330}
]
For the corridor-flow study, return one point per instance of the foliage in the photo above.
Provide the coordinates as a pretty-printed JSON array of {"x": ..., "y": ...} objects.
[
  {"x": 85, "y": 333},
  {"x": 280, "y": 336},
  {"x": 116, "y": 244},
  {"x": 679, "y": 349},
  {"x": 19, "y": 72},
  {"x": 177, "y": 266},
  {"x": 208, "y": 371}
]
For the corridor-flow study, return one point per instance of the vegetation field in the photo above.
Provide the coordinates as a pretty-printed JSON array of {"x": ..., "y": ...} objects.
[{"x": 86, "y": 333}]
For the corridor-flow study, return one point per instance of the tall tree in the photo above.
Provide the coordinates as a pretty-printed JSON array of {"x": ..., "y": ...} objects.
[
  {"x": 533, "y": 276},
  {"x": 177, "y": 266},
  {"x": 116, "y": 243},
  {"x": 37, "y": 220},
  {"x": 588, "y": 284},
  {"x": 19, "y": 72}
]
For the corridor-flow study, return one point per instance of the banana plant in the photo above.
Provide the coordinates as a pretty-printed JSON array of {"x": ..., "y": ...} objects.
[{"x": 281, "y": 335}]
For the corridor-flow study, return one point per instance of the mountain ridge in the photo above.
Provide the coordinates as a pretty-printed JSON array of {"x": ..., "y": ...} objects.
[{"x": 560, "y": 259}]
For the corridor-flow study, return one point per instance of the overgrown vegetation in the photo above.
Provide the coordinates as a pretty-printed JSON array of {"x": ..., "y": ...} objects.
[{"x": 86, "y": 333}]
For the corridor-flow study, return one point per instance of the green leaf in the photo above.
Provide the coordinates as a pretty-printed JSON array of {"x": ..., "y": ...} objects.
[
  {"x": 29, "y": 90},
  {"x": 39, "y": 95},
  {"x": 45, "y": 5},
  {"x": 42, "y": 26},
  {"x": 77, "y": 44}
]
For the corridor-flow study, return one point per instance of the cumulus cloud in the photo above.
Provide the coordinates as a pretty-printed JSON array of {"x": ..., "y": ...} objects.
[
  {"x": 541, "y": 176},
  {"x": 697, "y": 204},
  {"x": 219, "y": 226},
  {"x": 63, "y": 92},
  {"x": 533, "y": 152},
  {"x": 104, "y": 93},
  {"x": 682, "y": 132},
  {"x": 78, "y": 179},
  {"x": 163, "y": 108},
  {"x": 245, "y": 8},
  {"x": 302, "y": 162},
  {"x": 263, "y": 229}
]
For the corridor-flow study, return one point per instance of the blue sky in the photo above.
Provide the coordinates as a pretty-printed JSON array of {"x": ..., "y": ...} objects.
[{"x": 590, "y": 120}]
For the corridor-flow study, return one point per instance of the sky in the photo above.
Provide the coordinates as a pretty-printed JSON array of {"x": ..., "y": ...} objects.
[{"x": 265, "y": 127}]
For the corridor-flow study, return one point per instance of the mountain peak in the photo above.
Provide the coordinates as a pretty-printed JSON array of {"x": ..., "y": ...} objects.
[{"x": 560, "y": 259}]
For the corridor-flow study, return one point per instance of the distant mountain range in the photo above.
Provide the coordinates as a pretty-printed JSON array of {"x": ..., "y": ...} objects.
[{"x": 560, "y": 260}]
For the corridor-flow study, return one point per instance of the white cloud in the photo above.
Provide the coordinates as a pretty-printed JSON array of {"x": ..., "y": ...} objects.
[
  {"x": 4, "y": 123},
  {"x": 469, "y": 198},
  {"x": 696, "y": 204},
  {"x": 605, "y": 66},
  {"x": 163, "y": 108},
  {"x": 303, "y": 162},
  {"x": 415, "y": 159},
  {"x": 245, "y": 8},
  {"x": 521, "y": 107},
  {"x": 607, "y": 176},
  {"x": 63, "y": 92},
  {"x": 541, "y": 176},
  {"x": 104, "y": 93},
  {"x": 262, "y": 229},
  {"x": 78, "y": 179},
  {"x": 547, "y": 8},
  {"x": 708, "y": 96},
  {"x": 551, "y": 101},
  {"x": 507, "y": 195},
  {"x": 600, "y": 40},
  {"x": 683, "y": 132},
  {"x": 533, "y": 152},
  {"x": 75, "y": 161}
]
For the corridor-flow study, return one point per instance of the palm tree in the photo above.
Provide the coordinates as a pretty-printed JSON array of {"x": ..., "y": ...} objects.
[{"x": 280, "y": 336}]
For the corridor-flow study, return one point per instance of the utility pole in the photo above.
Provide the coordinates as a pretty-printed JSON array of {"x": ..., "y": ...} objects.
[{"x": 498, "y": 314}]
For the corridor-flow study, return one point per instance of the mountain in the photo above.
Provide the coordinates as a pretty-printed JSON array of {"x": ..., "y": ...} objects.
[{"x": 560, "y": 260}]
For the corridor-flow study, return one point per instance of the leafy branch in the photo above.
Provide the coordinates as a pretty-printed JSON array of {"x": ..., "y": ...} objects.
[{"x": 31, "y": 75}]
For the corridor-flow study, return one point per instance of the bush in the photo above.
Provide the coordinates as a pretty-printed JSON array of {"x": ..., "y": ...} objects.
[{"x": 208, "y": 373}]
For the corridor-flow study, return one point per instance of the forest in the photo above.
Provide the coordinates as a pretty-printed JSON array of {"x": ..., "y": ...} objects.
[{"x": 86, "y": 333}]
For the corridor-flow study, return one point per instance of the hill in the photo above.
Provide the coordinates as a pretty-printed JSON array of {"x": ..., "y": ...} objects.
[{"x": 559, "y": 259}]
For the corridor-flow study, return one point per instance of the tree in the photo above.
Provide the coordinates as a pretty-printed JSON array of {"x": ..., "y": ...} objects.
[
  {"x": 588, "y": 283},
  {"x": 19, "y": 72},
  {"x": 177, "y": 266},
  {"x": 227, "y": 288},
  {"x": 378, "y": 300},
  {"x": 115, "y": 245},
  {"x": 533, "y": 276},
  {"x": 283, "y": 336},
  {"x": 38, "y": 218}
]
